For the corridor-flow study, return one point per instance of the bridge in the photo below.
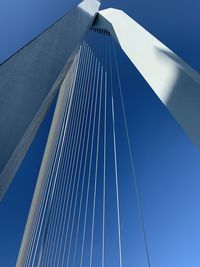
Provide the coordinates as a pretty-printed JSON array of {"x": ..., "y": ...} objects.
[{"x": 74, "y": 205}]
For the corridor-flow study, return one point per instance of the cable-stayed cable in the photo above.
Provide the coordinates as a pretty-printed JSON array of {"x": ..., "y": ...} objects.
[
  {"x": 132, "y": 161},
  {"x": 56, "y": 211},
  {"x": 84, "y": 168}
]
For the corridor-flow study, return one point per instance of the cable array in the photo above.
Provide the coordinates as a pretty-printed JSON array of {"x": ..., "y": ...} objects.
[{"x": 70, "y": 217}]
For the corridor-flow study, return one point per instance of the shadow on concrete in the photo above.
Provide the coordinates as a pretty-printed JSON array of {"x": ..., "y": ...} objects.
[{"x": 184, "y": 99}]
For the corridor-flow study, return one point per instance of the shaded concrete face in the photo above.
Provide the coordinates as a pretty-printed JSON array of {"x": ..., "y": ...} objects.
[
  {"x": 29, "y": 81},
  {"x": 184, "y": 99}
]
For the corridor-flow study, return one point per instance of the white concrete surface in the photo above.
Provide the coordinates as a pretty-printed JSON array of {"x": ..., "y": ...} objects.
[
  {"x": 29, "y": 81},
  {"x": 174, "y": 82}
]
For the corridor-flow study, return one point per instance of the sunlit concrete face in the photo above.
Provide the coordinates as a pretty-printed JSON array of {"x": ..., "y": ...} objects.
[
  {"x": 174, "y": 82},
  {"x": 29, "y": 81}
]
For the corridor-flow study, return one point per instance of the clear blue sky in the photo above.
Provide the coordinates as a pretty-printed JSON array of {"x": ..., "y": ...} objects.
[{"x": 167, "y": 163}]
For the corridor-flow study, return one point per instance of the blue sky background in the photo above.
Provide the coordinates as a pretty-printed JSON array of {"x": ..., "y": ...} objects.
[{"x": 167, "y": 163}]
